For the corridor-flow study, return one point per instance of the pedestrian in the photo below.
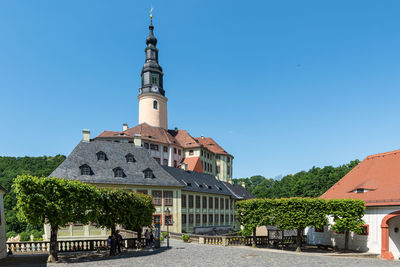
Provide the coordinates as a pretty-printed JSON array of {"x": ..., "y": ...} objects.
[
  {"x": 147, "y": 237},
  {"x": 109, "y": 242},
  {"x": 118, "y": 240},
  {"x": 151, "y": 238}
]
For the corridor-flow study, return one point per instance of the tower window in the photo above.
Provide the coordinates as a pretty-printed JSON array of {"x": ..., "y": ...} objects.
[
  {"x": 118, "y": 172},
  {"x": 155, "y": 104},
  {"x": 154, "y": 79}
]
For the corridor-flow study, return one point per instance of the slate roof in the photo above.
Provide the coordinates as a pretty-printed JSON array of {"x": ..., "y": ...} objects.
[
  {"x": 378, "y": 174},
  {"x": 85, "y": 153},
  {"x": 198, "y": 182},
  {"x": 238, "y": 191}
]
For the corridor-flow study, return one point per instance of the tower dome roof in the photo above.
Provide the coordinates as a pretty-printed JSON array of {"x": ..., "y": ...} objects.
[{"x": 151, "y": 39}]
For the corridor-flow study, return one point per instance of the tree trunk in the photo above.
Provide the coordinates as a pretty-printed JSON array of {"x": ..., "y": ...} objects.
[
  {"x": 112, "y": 243},
  {"x": 139, "y": 237},
  {"x": 53, "y": 244},
  {"x": 299, "y": 239},
  {"x": 346, "y": 240},
  {"x": 254, "y": 241}
]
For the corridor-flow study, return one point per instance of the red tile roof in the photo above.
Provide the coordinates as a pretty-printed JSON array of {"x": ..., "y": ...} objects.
[
  {"x": 379, "y": 173},
  {"x": 211, "y": 145},
  {"x": 193, "y": 164},
  {"x": 184, "y": 138}
]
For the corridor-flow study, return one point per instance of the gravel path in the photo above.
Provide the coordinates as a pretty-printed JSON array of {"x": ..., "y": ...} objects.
[{"x": 192, "y": 254}]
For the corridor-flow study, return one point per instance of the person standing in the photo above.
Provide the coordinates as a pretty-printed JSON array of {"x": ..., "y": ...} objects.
[
  {"x": 118, "y": 240},
  {"x": 147, "y": 237},
  {"x": 151, "y": 238}
]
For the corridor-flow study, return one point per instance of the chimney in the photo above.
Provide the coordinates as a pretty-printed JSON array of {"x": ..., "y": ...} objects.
[
  {"x": 124, "y": 127},
  {"x": 137, "y": 140},
  {"x": 184, "y": 166},
  {"x": 243, "y": 184},
  {"x": 176, "y": 130},
  {"x": 202, "y": 136},
  {"x": 86, "y": 135},
  {"x": 230, "y": 181}
]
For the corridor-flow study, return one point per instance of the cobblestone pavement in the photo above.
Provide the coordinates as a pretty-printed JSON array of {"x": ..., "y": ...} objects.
[{"x": 184, "y": 254}]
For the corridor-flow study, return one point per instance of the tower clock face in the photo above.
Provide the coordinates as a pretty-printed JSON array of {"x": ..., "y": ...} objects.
[{"x": 154, "y": 89}]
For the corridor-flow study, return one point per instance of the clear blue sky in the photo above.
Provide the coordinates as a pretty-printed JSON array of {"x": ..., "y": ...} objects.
[{"x": 282, "y": 85}]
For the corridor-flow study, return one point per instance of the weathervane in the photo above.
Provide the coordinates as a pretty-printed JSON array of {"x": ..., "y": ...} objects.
[{"x": 151, "y": 14}]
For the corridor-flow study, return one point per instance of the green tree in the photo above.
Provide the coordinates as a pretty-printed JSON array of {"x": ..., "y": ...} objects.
[
  {"x": 131, "y": 210},
  {"x": 347, "y": 216},
  {"x": 56, "y": 202}
]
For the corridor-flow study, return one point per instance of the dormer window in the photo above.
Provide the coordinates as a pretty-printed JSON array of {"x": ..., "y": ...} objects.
[
  {"x": 148, "y": 173},
  {"x": 86, "y": 170},
  {"x": 361, "y": 190},
  {"x": 130, "y": 158},
  {"x": 101, "y": 156},
  {"x": 118, "y": 172}
]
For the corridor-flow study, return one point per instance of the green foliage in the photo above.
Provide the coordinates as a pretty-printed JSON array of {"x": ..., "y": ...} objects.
[
  {"x": 185, "y": 237},
  {"x": 131, "y": 210},
  {"x": 11, "y": 234},
  {"x": 25, "y": 236},
  {"x": 347, "y": 214},
  {"x": 311, "y": 183},
  {"x": 164, "y": 234},
  {"x": 11, "y": 167}
]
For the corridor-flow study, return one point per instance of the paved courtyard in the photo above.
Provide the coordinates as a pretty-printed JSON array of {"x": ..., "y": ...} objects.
[{"x": 184, "y": 254}]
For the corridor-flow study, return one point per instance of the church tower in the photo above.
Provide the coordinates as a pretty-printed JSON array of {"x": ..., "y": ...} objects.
[{"x": 152, "y": 100}]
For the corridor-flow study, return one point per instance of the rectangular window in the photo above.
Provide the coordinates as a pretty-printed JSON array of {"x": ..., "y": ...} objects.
[
  {"x": 190, "y": 218},
  {"x": 204, "y": 218},
  {"x": 165, "y": 162},
  {"x": 365, "y": 230},
  {"x": 222, "y": 218},
  {"x": 179, "y": 152},
  {"x": 144, "y": 192},
  {"x": 204, "y": 202},
  {"x": 183, "y": 218},
  {"x": 218, "y": 169},
  {"x": 222, "y": 203},
  {"x": 201, "y": 152},
  {"x": 190, "y": 202},
  {"x": 232, "y": 218},
  {"x": 216, "y": 219},
  {"x": 227, "y": 219},
  {"x": 146, "y": 145},
  {"x": 168, "y": 220},
  {"x": 165, "y": 148},
  {"x": 153, "y": 147},
  {"x": 216, "y": 203},
  {"x": 197, "y": 218},
  {"x": 168, "y": 198},
  {"x": 174, "y": 150},
  {"x": 158, "y": 160},
  {"x": 210, "y": 219},
  {"x": 154, "y": 79},
  {"x": 210, "y": 202},
  {"x": 217, "y": 157},
  {"x": 228, "y": 170},
  {"x": 197, "y": 202},
  {"x": 190, "y": 152},
  {"x": 156, "y": 219},
  {"x": 157, "y": 198},
  {"x": 183, "y": 199}
]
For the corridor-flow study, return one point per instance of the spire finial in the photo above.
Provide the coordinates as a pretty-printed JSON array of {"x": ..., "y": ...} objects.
[{"x": 151, "y": 14}]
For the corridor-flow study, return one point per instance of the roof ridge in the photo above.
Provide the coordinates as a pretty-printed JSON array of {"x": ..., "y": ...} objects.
[{"x": 383, "y": 154}]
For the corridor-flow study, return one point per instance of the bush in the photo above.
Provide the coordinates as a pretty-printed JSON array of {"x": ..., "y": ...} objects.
[
  {"x": 11, "y": 234},
  {"x": 185, "y": 237},
  {"x": 162, "y": 238},
  {"x": 25, "y": 236},
  {"x": 164, "y": 234},
  {"x": 38, "y": 235}
]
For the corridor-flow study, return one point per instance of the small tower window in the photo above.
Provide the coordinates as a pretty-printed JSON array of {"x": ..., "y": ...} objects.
[
  {"x": 154, "y": 79},
  {"x": 101, "y": 156},
  {"x": 155, "y": 104},
  {"x": 148, "y": 173},
  {"x": 86, "y": 170},
  {"x": 118, "y": 172},
  {"x": 130, "y": 158}
]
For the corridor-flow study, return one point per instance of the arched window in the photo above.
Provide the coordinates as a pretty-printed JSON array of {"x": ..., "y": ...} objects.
[
  {"x": 118, "y": 172},
  {"x": 148, "y": 173},
  {"x": 101, "y": 156},
  {"x": 130, "y": 158},
  {"x": 155, "y": 104},
  {"x": 86, "y": 170}
]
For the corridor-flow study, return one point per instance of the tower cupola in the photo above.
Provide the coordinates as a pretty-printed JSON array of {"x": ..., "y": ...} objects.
[{"x": 152, "y": 100}]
